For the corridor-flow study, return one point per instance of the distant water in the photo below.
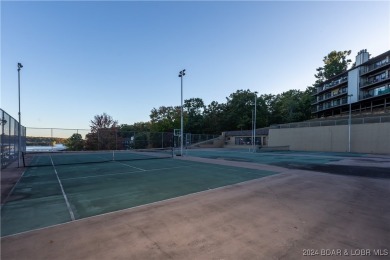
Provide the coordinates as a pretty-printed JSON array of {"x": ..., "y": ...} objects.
[{"x": 57, "y": 147}]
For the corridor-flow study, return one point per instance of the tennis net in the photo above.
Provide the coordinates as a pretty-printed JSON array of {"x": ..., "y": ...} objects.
[{"x": 35, "y": 159}]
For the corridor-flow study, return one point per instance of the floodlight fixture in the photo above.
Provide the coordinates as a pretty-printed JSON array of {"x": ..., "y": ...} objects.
[
  {"x": 20, "y": 120},
  {"x": 181, "y": 75}
]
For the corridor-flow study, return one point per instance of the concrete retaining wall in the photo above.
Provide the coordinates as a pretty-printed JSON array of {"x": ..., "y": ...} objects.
[{"x": 365, "y": 138}]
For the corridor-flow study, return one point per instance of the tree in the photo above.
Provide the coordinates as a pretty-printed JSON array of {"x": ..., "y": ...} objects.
[
  {"x": 193, "y": 116},
  {"x": 103, "y": 121},
  {"x": 239, "y": 107},
  {"x": 75, "y": 142},
  {"x": 335, "y": 62},
  {"x": 104, "y": 134},
  {"x": 214, "y": 118},
  {"x": 289, "y": 107},
  {"x": 165, "y": 119},
  {"x": 264, "y": 108}
]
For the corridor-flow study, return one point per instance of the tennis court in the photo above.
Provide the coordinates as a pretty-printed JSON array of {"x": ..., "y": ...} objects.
[
  {"x": 354, "y": 164},
  {"x": 60, "y": 188},
  {"x": 187, "y": 208}
]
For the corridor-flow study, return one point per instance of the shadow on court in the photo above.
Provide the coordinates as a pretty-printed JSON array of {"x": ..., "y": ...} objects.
[{"x": 348, "y": 170}]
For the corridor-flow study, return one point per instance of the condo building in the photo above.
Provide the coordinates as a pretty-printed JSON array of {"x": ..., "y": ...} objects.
[{"x": 365, "y": 88}]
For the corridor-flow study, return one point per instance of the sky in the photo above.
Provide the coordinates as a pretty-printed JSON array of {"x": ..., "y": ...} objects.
[{"x": 85, "y": 58}]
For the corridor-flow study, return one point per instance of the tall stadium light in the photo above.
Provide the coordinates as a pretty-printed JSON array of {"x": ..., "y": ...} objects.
[
  {"x": 253, "y": 135},
  {"x": 20, "y": 66},
  {"x": 181, "y": 75},
  {"x": 349, "y": 124},
  {"x": 254, "y": 124}
]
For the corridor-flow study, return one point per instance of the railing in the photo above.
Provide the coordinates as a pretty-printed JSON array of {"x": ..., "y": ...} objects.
[
  {"x": 330, "y": 105},
  {"x": 354, "y": 121},
  {"x": 339, "y": 94},
  {"x": 10, "y": 139},
  {"x": 373, "y": 81},
  {"x": 374, "y": 66},
  {"x": 370, "y": 94},
  {"x": 332, "y": 84}
]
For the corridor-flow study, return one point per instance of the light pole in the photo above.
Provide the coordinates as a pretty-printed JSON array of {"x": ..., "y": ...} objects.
[
  {"x": 254, "y": 125},
  {"x": 181, "y": 75},
  {"x": 349, "y": 124},
  {"x": 253, "y": 132},
  {"x": 20, "y": 122}
]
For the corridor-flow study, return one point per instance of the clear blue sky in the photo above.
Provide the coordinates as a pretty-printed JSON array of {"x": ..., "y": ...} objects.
[{"x": 84, "y": 58}]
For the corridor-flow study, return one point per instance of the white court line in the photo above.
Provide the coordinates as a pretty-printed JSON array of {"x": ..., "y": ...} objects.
[
  {"x": 63, "y": 192},
  {"x": 120, "y": 173},
  {"x": 12, "y": 190},
  {"x": 152, "y": 203},
  {"x": 130, "y": 166}
]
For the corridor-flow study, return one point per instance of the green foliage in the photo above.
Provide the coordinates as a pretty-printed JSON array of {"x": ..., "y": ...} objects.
[
  {"x": 214, "y": 118},
  {"x": 194, "y": 120},
  {"x": 102, "y": 121},
  {"x": 165, "y": 119},
  {"x": 136, "y": 127},
  {"x": 290, "y": 106},
  {"x": 43, "y": 141},
  {"x": 239, "y": 108},
  {"x": 335, "y": 62},
  {"x": 104, "y": 134},
  {"x": 237, "y": 113},
  {"x": 75, "y": 143}
]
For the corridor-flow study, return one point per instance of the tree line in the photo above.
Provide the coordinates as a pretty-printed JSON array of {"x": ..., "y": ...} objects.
[{"x": 235, "y": 114}]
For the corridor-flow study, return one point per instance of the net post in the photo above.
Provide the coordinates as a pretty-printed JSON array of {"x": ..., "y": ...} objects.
[{"x": 24, "y": 162}]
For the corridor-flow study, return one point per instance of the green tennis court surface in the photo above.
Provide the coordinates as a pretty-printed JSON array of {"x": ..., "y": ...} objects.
[
  {"x": 351, "y": 164},
  {"x": 272, "y": 158},
  {"x": 49, "y": 195}
]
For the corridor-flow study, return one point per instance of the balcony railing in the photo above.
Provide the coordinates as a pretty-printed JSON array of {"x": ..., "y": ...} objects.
[
  {"x": 374, "y": 67},
  {"x": 329, "y": 105},
  {"x": 322, "y": 98},
  {"x": 332, "y": 84},
  {"x": 373, "y": 81},
  {"x": 371, "y": 94}
]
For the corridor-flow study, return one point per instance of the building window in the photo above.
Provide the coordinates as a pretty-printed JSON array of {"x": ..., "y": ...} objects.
[
  {"x": 377, "y": 91},
  {"x": 243, "y": 140}
]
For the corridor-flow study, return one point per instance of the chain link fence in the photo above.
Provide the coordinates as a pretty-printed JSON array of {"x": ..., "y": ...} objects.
[
  {"x": 48, "y": 137},
  {"x": 10, "y": 139},
  {"x": 344, "y": 121},
  {"x": 105, "y": 139}
]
